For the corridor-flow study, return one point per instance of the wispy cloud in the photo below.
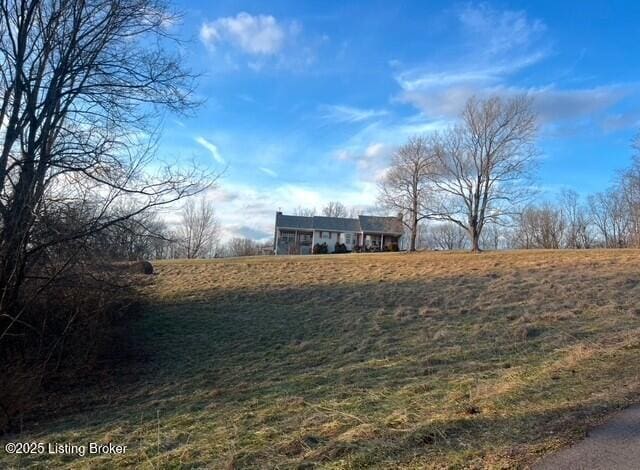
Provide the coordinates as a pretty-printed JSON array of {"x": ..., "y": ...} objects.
[
  {"x": 342, "y": 113},
  {"x": 269, "y": 172},
  {"x": 499, "y": 31},
  {"x": 501, "y": 44},
  {"x": 212, "y": 148},
  {"x": 422, "y": 78},
  {"x": 497, "y": 44}
]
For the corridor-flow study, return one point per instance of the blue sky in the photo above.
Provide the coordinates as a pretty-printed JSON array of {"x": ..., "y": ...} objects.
[{"x": 305, "y": 101}]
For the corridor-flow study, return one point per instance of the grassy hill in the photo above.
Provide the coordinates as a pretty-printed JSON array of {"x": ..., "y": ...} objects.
[{"x": 348, "y": 361}]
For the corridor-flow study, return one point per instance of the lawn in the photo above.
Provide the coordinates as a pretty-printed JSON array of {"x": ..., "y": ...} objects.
[{"x": 348, "y": 361}]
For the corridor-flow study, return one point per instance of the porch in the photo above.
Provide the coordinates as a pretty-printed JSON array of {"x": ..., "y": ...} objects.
[
  {"x": 378, "y": 242},
  {"x": 294, "y": 242}
]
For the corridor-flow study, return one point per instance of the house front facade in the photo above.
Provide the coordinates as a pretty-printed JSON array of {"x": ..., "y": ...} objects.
[{"x": 298, "y": 235}]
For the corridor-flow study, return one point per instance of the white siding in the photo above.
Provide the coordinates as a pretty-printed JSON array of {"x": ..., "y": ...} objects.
[
  {"x": 335, "y": 237},
  {"x": 331, "y": 241}
]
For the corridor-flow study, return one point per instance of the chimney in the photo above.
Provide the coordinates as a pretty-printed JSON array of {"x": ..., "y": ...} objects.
[
  {"x": 400, "y": 215},
  {"x": 278, "y": 213}
]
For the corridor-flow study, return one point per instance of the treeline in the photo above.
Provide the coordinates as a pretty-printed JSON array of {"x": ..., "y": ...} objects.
[
  {"x": 607, "y": 219},
  {"x": 471, "y": 186},
  {"x": 195, "y": 233}
]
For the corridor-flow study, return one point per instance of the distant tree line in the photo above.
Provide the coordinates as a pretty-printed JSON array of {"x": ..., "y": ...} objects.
[
  {"x": 471, "y": 187},
  {"x": 196, "y": 233},
  {"x": 331, "y": 209}
]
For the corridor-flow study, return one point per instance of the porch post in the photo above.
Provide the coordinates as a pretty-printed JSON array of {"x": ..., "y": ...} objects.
[{"x": 381, "y": 241}]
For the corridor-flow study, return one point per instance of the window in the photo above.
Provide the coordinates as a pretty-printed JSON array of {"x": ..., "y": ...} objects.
[
  {"x": 288, "y": 237},
  {"x": 326, "y": 235},
  {"x": 347, "y": 238}
]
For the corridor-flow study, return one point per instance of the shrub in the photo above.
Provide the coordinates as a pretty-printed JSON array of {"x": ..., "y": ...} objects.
[
  {"x": 340, "y": 248},
  {"x": 320, "y": 249},
  {"x": 75, "y": 323},
  {"x": 141, "y": 267},
  {"x": 394, "y": 247}
]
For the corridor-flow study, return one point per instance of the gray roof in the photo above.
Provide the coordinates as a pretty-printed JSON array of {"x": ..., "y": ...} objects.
[
  {"x": 336, "y": 223},
  {"x": 364, "y": 223},
  {"x": 372, "y": 223},
  {"x": 293, "y": 221}
]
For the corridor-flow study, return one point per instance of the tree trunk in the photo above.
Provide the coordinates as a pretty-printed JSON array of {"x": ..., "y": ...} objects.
[
  {"x": 414, "y": 232},
  {"x": 475, "y": 238}
]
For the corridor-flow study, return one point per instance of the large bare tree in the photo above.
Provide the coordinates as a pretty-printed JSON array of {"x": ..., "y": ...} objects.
[
  {"x": 83, "y": 86},
  {"x": 405, "y": 186},
  {"x": 484, "y": 162}
]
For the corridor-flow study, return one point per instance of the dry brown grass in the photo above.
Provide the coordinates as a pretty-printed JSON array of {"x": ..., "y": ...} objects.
[{"x": 348, "y": 361}]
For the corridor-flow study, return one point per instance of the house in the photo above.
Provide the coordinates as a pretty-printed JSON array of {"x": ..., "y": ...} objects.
[{"x": 298, "y": 235}]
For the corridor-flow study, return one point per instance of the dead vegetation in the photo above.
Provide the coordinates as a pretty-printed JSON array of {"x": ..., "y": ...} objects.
[{"x": 391, "y": 360}]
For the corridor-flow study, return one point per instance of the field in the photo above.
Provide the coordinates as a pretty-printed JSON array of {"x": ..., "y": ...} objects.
[{"x": 348, "y": 361}]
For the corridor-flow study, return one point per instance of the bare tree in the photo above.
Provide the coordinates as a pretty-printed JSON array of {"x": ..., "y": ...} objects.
[
  {"x": 140, "y": 237},
  {"x": 578, "y": 232},
  {"x": 198, "y": 230},
  {"x": 242, "y": 247},
  {"x": 610, "y": 217},
  {"x": 304, "y": 211},
  {"x": 541, "y": 227},
  {"x": 446, "y": 236},
  {"x": 82, "y": 88},
  {"x": 335, "y": 209},
  {"x": 405, "y": 187},
  {"x": 492, "y": 235},
  {"x": 628, "y": 186},
  {"x": 483, "y": 163}
]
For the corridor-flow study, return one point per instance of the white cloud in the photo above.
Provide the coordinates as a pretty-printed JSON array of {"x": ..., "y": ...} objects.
[
  {"x": 268, "y": 171},
  {"x": 341, "y": 113},
  {"x": 342, "y": 154},
  {"x": 212, "y": 148},
  {"x": 374, "y": 150},
  {"x": 497, "y": 45},
  {"x": 551, "y": 103},
  {"x": 255, "y": 35},
  {"x": 500, "y": 31},
  {"x": 246, "y": 210},
  {"x": 500, "y": 45}
]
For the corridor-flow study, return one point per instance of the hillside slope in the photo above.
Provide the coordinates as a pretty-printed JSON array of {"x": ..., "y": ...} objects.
[{"x": 347, "y": 361}]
